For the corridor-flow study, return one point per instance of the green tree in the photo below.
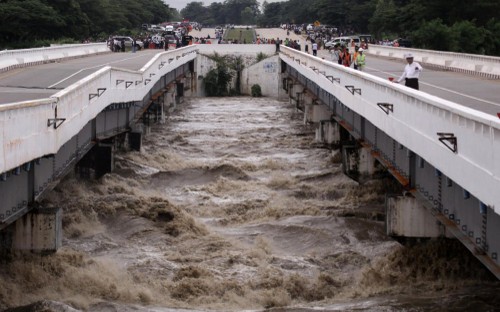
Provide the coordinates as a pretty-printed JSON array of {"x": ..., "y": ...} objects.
[
  {"x": 271, "y": 14},
  {"x": 383, "y": 19},
  {"x": 195, "y": 11},
  {"x": 247, "y": 16},
  {"x": 296, "y": 12},
  {"x": 217, "y": 10},
  {"x": 218, "y": 79},
  {"x": 468, "y": 37},
  {"x": 434, "y": 35},
  {"x": 25, "y": 21},
  {"x": 233, "y": 9},
  {"x": 492, "y": 40}
]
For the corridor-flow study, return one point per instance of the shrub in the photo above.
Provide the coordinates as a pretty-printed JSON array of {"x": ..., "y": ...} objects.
[
  {"x": 256, "y": 91},
  {"x": 261, "y": 56}
]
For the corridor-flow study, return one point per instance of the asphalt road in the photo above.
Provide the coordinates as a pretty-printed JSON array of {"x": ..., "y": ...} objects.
[{"x": 45, "y": 80}]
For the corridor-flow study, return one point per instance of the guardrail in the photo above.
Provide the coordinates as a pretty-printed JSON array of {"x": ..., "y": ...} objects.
[
  {"x": 416, "y": 121},
  {"x": 473, "y": 64},
  {"x": 32, "y": 129},
  {"x": 11, "y": 59}
]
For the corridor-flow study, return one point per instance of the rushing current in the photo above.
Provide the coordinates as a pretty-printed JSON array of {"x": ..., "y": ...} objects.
[{"x": 232, "y": 206}]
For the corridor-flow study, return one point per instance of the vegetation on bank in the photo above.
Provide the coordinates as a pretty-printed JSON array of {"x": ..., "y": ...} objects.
[
  {"x": 461, "y": 26},
  {"x": 32, "y": 23},
  {"x": 224, "y": 79}
]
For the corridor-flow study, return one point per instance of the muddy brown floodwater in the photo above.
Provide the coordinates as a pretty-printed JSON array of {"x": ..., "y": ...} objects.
[{"x": 231, "y": 206}]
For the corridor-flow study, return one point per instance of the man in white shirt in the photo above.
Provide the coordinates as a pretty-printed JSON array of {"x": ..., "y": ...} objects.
[
  {"x": 315, "y": 48},
  {"x": 411, "y": 72}
]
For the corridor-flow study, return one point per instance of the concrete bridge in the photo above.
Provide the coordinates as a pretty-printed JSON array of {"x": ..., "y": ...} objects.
[{"x": 444, "y": 154}]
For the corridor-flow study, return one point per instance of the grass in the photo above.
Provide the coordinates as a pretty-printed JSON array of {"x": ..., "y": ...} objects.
[{"x": 241, "y": 35}]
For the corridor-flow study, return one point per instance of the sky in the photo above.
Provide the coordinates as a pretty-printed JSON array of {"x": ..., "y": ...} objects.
[{"x": 180, "y": 4}]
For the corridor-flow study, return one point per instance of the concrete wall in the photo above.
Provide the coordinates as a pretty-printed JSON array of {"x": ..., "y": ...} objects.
[
  {"x": 10, "y": 59},
  {"x": 39, "y": 231},
  {"x": 482, "y": 65},
  {"x": 266, "y": 74},
  {"x": 405, "y": 217}
]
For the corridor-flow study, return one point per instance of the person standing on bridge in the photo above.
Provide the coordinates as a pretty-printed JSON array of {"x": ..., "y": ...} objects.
[
  {"x": 360, "y": 60},
  {"x": 314, "y": 48},
  {"x": 411, "y": 72}
]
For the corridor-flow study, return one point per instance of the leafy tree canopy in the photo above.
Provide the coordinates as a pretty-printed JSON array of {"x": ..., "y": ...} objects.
[
  {"x": 460, "y": 25},
  {"x": 25, "y": 22}
]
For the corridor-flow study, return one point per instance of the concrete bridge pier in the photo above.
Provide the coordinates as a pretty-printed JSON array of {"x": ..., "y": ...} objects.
[
  {"x": 170, "y": 99},
  {"x": 97, "y": 162},
  {"x": 328, "y": 132},
  {"x": 406, "y": 217},
  {"x": 314, "y": 111},
  {"x": 358, "y": 162},
  {"x": 40, "y": 231},
  {"x": 297, "y": 96},
  {"x": 135, "y": 137}
]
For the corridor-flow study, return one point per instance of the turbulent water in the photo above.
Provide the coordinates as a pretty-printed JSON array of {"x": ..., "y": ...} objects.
[{"x": 231, "y": 206}]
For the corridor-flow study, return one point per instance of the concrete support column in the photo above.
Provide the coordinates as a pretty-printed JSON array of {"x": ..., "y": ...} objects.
[
  {"x": 358, "y": 162},
  {"x": 38, "y": 231},
  {"x": 366, "y": 162},
  {"x": 320, "y": 112},
  {"x": 405, "y": 217},
  {"x": 179, "y": 90},
  {"x": 296, "y": 95},
  {"x": 328, "y": 132},
  {"x": 135, "y": 140},
  {"x": 97, "y": 162},
  {"x": 104, "y": 159},
  {"x": 170, "y": 99},
  {"x": 308, "y": 104}
]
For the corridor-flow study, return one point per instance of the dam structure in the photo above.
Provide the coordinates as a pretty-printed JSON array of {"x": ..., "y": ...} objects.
[{"x": 443, "y": 154}]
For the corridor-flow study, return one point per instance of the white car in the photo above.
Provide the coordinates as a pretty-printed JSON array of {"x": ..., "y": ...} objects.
[
  {"x": 128, "y": 42},
  {"x": 338, "y": 41}
]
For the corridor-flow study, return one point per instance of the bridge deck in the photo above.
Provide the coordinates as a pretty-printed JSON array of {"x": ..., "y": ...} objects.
[{"x": 42, "y": 81}]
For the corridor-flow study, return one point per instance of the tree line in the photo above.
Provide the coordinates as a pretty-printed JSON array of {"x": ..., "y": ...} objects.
[
  {"x": 30, "y": 23},
  {"x": 459, "y": 25}
]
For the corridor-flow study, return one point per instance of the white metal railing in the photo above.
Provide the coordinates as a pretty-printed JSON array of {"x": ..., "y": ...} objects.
[
  {"x": 416, "y": 121},
  {"x": 10, "y": 59},
  {"x": 483, "y": 65},
  {"x": 32, "y": 129}
]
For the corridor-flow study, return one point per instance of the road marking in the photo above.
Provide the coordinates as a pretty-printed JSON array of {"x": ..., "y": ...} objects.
[
  {"x": 443, "y": 89},
  {"x": 92, "y": 67}
]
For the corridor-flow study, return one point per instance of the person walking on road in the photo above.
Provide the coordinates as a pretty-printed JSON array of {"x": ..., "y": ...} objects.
[
  {"x": 355, "y": 57},
  {"x": 315, "y": 48},
  {"x": 336, "y": 54},
  {"x": 411, "y": 72},
  {"x": 346, "y": 57}
]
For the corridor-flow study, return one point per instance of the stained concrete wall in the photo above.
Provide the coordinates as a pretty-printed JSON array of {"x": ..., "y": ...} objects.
[
  {"x": 39, "y": 231},
  {"x": 266, "y": 74},
  {"x": 405, "y": 217}
]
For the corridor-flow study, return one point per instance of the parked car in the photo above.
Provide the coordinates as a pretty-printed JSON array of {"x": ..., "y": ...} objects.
[
  {"x": 128, "y": 41},
  {"x": 338, "y": 41}
]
